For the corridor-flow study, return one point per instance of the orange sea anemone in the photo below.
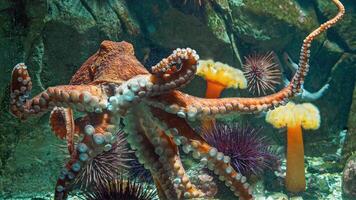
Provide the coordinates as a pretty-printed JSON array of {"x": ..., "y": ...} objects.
[
  {"x": 294, "y": 117},
  {"x": 220, "y": 76}
]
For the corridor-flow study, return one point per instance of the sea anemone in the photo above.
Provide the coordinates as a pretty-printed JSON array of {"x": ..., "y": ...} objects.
[
  {"x": 294, "y": 117},
  {"x": 105, "y": 166},
  {"x": 120, "y": 189},
  {"x": 220, "y": 76},
  {"x": 250, "y": 152},
  {"x": 262, "y": 73}
]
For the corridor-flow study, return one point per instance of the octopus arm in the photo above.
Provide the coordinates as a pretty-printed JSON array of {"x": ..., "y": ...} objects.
[
  {"x": 97, "y": 132},
  {"x": 184, "y": 135},
  {"x": 62, "y": 123},
  {"x": 79, "y": 97},
  {"x": 186, "y": 106},
  {"x": 175, "y": 71},
  {"x": 149, "y": 156}
]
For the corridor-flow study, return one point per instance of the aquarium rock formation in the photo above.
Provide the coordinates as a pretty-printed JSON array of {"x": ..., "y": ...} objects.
[{"x": 349, "y": 179}]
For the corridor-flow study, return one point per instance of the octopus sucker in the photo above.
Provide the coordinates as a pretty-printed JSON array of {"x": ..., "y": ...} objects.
[
  {"x": 62, "y": 123},
  {"x": 112, "y": 84},
  {"x": 96, "y": 139},
  {"x": 192, "y": 143},
  {"x": 147, "y": 155}
]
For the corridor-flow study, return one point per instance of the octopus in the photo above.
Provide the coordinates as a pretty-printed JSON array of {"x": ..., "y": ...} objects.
[{"x": 112, "y": 87}]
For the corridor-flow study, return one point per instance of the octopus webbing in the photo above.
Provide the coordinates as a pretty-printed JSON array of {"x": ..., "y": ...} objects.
[{"x": 112, "y": 85}]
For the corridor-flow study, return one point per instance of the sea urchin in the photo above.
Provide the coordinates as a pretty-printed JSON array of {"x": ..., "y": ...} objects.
[
  {"x": 120, "y": 189},
  {"x": 262, "y": 73},
  {"x": 249, "y": 151},
  {"x": 105, "y": 166},
  {"x": 139, "y": 172}
]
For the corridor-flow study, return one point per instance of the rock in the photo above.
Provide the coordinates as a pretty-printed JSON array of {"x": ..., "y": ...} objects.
[
  {"x": 342, "y": 81},
  {"x": 350, "y": 141},
  {"x": 258, "y": 197},
  {"x": 34, "y": 162},
  {"x": 253, "y": 21},
  {"x": 344, "y": 32},
  {"x": 322, "y": 185},
  {"x": 349, "y": 179},
  {"x": 296, "y": 198},
  {"x": 165, "y": 30},
  {"x": 277, "y": 196}
]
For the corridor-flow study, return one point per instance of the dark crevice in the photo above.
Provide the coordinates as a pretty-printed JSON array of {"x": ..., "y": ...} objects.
[
  {"x": 123, "y": 26},
  {"x": 134, "y": 7},
  {"x": 229, "y": 22},
  {"x": 19, "y": 13},
  {"x": 87, "y": 7}
]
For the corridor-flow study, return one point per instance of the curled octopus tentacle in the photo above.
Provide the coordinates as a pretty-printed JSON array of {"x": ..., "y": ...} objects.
[
  {"x": 62, "y": 123},
  {"x": 80, "y": 97},
  {"x": 216, "y": 161},
  {"x": 96, "y": 139},
  {"x": 175, "y": 71},
  {"x": 190, "y": 107},
  {"x": 171, "y": 73}
]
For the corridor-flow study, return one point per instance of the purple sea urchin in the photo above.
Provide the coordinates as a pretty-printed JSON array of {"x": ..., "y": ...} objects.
[
  {"x": 139, "y": 172},
  {"x": 120, "y": 189},
  {"x": 105, "y": 166},
  {"x": 262, "y": 73},
  {"x": 249, "y": 152}
]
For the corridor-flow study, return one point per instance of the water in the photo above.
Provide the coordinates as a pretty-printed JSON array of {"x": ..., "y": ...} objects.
[{"x": 122, "y": 122}]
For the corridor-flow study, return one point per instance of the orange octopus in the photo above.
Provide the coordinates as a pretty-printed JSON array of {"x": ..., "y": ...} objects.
[{"x": 113, "y": 84}]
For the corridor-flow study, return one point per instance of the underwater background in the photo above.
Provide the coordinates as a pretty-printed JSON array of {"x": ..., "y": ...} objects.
[{"x": 54, "y": 37}]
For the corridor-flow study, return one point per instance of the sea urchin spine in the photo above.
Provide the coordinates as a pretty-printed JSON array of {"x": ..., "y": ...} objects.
[
  {"x": 262, "y": 73},
  {"x": 249, "y": 152}
]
